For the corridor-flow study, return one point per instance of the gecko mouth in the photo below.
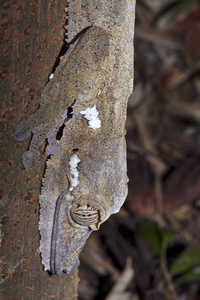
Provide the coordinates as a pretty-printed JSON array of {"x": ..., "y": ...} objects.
[
  {"x": 86, "y": 212},
  {"x": 64, "y": 253},
  {"x": 53, "y": 250},
  {"x": 85, "y": 215}
]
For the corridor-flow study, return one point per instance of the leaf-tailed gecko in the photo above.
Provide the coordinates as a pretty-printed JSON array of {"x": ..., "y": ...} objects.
[{"x": 85, "y": 179}]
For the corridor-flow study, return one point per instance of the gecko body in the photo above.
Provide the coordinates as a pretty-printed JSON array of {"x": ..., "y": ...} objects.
[{"x": 85, "y": 179}]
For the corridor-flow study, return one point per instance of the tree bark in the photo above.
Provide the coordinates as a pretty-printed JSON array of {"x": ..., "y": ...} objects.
[{"x": 32, "y": 34}]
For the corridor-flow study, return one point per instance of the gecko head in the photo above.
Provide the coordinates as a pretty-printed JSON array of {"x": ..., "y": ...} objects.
[{"x": 87, "y": 213}]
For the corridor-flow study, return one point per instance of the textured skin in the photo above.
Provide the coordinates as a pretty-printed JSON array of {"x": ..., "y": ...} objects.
[
  {"x": 103, "y": 184},
  {"x": 80, "y": 75},
  {"x": 105, "y": 79}
]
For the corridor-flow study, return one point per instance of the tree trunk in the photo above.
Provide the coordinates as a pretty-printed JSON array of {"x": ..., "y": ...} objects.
[{"x": 32, "y": 34}]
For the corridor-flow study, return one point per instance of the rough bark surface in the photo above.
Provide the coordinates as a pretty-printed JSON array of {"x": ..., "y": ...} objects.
[{"x": 31, "y": 38}]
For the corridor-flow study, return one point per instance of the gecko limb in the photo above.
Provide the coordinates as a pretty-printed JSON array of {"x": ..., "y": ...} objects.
[
  {"x": 30, "y": 157},
  {"x": 77, "y": 79}
]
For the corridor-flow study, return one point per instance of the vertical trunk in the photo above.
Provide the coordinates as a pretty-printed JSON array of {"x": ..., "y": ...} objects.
[{"x": 31, "y": 37}]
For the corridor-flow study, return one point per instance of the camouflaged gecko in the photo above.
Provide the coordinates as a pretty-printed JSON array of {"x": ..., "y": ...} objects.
[
  {"x": 78, "y": 78},
  {"x": 85, "y": 180}
]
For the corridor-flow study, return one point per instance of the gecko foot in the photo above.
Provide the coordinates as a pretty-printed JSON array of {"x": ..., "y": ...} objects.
[
  {"x": 30, "y": 159},
  {"x": 21, "y": 131},
  {"x": 51, "y": 149}
]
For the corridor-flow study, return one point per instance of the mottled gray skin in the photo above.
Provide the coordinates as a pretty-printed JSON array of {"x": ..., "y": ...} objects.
[
  {"x": 97, "y": 70},
  {"x": 103, "y": 185},
  {"x": 80, "y": 75}
]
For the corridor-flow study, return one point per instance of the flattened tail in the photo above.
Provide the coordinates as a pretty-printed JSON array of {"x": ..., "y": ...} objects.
[{"x": 22, "y": 130}]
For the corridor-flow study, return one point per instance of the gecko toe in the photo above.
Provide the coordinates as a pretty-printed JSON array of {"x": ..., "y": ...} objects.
[
  {"x": 51, "y": 149},
  {"x": 21, "y": 131},
  {"x": 29, "y": 160}
]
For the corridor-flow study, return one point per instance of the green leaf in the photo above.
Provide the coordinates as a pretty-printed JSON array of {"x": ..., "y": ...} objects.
[
  {"x": 167, "y": 236},
  {"x": 150, "y": 232},
  {"x": 186, "y": 260},
  {"x": 157, "y": 238},
  {"x": 192, "y": 275}
]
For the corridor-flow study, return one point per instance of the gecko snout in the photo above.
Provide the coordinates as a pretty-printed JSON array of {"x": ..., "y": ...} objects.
[
  {"x": 90, "y": 214},
  {"x": 85, "y": 215}
]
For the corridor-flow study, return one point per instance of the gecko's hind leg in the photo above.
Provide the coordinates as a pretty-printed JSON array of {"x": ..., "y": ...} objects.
[
  {"x": 22, "y": 130},
  {"x": 24, "y": 127}
]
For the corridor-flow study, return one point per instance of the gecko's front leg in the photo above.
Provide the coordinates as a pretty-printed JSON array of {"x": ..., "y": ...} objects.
[{"x": 76, "y": 82}]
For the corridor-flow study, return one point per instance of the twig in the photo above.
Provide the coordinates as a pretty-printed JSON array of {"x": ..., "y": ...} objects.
[
  {"x": 159, "y": 195},
  {"x": 179, "y": 78},
  {"x": 157, "y": 38},
  {"x": 118, "y": 291},
  {"x": 169, "y": 281},
  {"x": 185, "y": 110},
  {"x": 157, "y": 165}
]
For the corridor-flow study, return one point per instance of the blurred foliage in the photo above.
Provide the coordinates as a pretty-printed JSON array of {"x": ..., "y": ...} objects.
[
  {"x": 186, "y": 266},
  {"x": 158, "y": 238},
  {"x": 186, "y": 260},
  {"x": 171, "y": 9},
  {"x": 146, "y": 6},
  {"x": 174, "y": 9},
  {"x": 189, "y": 276}
]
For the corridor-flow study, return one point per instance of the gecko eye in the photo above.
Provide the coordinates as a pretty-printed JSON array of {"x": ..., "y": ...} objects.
[{"x": 85, "y": 215}]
